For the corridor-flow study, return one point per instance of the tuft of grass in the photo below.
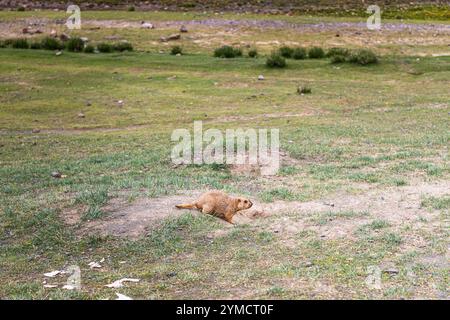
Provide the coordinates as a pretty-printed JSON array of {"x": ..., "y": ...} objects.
[
  {"x": 316, "y": 53},
  {"x": 227, "y": 52},
  {"x": 436, "y": 203},
  {"x": 279, "y": 193},
  {"x": 275, "y": 60},
  {"x": 378, "y": 224},
  {"x": 338, "y": 59},
  {"x": 392, "y": 239}
]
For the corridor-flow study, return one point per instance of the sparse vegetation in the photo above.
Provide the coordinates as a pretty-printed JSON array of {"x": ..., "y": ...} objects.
[{"x": 89, "y": 49}]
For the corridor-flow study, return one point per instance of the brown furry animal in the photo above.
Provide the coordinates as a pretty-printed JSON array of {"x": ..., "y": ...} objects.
[{"x": 218, "y": 204}]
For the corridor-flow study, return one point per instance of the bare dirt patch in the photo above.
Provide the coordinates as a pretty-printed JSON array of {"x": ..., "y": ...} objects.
[{"x": 397, "y": 205}]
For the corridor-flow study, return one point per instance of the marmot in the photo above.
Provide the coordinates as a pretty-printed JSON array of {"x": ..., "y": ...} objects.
[{"x": 218, "y": 204}]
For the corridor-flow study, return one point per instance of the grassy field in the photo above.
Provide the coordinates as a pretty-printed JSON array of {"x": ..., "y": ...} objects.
[{"x": 371, "y": 139}]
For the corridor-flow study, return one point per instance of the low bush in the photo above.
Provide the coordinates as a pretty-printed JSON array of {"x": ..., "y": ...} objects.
[
  {"x": 36, "y": 45},
  {"x": 286, "y": 52},
  {"x": 75, "y": 44},
  {"x": 105, "y": 47},
  {"x": 227, "y": 52},
  {"x": 176, "y": 50},
  {"x": 275, "y": 60},
  {"x": 49, "y": 43},
  {"x": 363, "y": 57},
  {"x": 123, "y": 46},
  {"x": 338, "y": 52},
  {"x": 338, "y": 59},
  {"x": 89, "y": 49},
  {"x": 252, "y": 53},
  {"x": 299, "y": 53},
  {"x": 20, "y": 44},
  {"x": 316, "y": 53}
]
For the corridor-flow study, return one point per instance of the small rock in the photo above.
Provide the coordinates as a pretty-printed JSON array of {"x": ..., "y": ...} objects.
[
  {"x": 53, "y": 33},
  {"x": 171, "y": 274},
  {"x": 25, "y": 30},
  {"x": 58, "y": 53},
  {"x": 183, "y": 29},
  {"x": 81, "y": 115},
  {"x": 88, "y": 104},
  {"x": 391, "y": 270},
  {"x": 122, "y": 297},
  {"x": 56, "y": 174},
  {"x": 308, "y": 264},
  {"x": 35, "y": 131},
  {"x": 120, "y": 102},
  {"x": 147, "y": 25},
  {"x": 261, "y": 77}
]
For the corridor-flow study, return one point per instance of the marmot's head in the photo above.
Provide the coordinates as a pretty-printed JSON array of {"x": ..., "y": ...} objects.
[{"x": 243, "y": 203}]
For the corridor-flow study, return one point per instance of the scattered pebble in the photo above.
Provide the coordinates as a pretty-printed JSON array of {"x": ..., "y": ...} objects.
[
  {"x": 52, "y": 273},
  {"x": 56, "y": 174},
  {"x": 261, "y": 77}
]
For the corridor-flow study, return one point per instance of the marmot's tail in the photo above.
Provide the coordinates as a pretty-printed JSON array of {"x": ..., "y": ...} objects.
[{"x": 186, "y": 206}]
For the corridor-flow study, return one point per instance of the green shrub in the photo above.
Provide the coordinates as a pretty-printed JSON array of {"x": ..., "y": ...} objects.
[
  {"x": 36, "y": 45},
  {"x": 75, "y": 44},
  {"x": 227, "y": 52},
  {"x": 299, "y": 53},
  {"x": 316, "y": 53},
  {"x": 275, "y": 60},
  {"x": 338, "y": 59},
  {"x": 20, "y": 44},
  {"x": 2, "y": 44},
  {"x": 89, "y": 49},
  {"x": 49, "y": 43},
  {"x": 21, "y": 8},
  {"x": 338, "y": 52},
  {"x": 253, "y": 53},
  {"x": 286, "y": 52},
  {"x": 363, "y": 57},
  {"x": 122, "y": 46},
  {"x": 176, "y": 50},
  {"x": 104, "y": 47},
  {"x": 131, "y": 8}
]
